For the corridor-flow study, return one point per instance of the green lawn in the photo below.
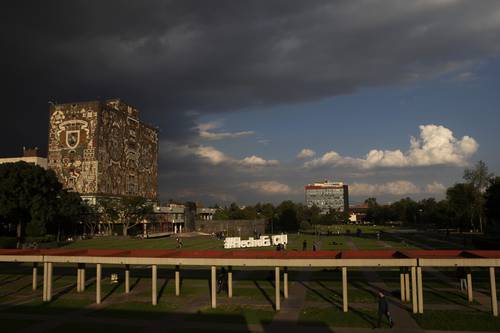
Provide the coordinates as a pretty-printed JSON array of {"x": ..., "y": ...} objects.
[
  {"x": 135, "y": 310},
  {"x": 16, "y": 325},
  {"x": 333, "y": 242},
  {"x": 234, "y": 314},
  {"x": 335, "y": 317},
  {"x": 78, "y": 327},
  {"x": 458, "y": 320}
]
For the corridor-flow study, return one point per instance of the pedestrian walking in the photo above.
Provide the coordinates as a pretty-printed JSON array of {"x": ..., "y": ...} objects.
[
  {"x": 304, "y": 245},
  {"x": 222, "y": 281},
  {"x": 383, "y": 309},
  {"x": 462, "y": 278}
]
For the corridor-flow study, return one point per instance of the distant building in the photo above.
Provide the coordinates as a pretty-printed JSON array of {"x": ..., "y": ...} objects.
[
  {"x": 30, "y": 155},
  {"x": 102, "y": 149},
  {"x": 357, "y": 213},
  {"x": 177, "y": 218},
  {"x": 328, "y": 195}
]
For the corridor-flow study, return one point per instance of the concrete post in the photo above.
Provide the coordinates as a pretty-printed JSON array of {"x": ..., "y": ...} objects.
[
  {"x": 402, "y": 282},
  {"x": 45, "y": 280},
  {"x": 49, "y": 281},
  {"x": 493, "y": 288},
  {"x": 420, "y": 290},
  {"x": 98, "y": 272},
  {"x": 345, "y": 298},
  {"x": 177, "y": 281},
  {"x": 154, "y": 280},
  {"x": 285, "y": 282},
  {"x": 414, "y": 289},
  {"x": 277, "y": 288},
  {"x": 214, "y": 287},
  {"x": 470, "y": 295},
  {"x": 78, "y": 279},
  {"x": 35, "y": 273},
  {"x": 82, "y": 278},
  {"x": 407, "y": 286},
  {"x": 230, "y": 282},
  {"x": 127, "y": 279}
]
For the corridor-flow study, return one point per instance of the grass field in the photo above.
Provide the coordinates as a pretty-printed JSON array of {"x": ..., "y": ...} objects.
[{"x": 367, "y": 241}]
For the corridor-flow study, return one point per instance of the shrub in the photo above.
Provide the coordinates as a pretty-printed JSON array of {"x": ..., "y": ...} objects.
[{"x": 8, "y": 242}]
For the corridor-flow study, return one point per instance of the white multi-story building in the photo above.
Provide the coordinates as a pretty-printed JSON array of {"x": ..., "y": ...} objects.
[
  {"x": 30, "y": 155},
  {"x": 328, "y": 195}
]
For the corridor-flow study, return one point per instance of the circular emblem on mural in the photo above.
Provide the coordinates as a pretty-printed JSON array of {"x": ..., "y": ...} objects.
[{"x": 115, "y": 143}]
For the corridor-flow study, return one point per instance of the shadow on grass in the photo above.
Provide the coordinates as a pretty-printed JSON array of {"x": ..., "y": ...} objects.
[
  {"x": 266, "y": 296},
  {"x": 112, "y": 290},
  {"x": 162, "y": 289},
  {"x": 330, "y": 300},
  {"x": 136, "y": 282}
]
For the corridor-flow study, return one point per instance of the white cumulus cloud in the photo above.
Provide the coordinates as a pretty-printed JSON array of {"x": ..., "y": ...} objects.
[
  {"x": 436, "y": 145},
  {"x": 269, "y": 187},
  {"x": 306, "y": 153},
  {"x": 397, "y": 188},
  {"x": 205, "y": 132},
  {"x": 256, "y": 161},
  {"x": 214, "y": 156},
  {"x": 435, "y": 188}
]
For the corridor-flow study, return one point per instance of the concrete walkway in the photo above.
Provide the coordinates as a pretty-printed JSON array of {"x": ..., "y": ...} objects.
[{"x": 403, "y": 321}]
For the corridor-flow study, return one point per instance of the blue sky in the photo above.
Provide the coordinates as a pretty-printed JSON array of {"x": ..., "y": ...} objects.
[{"x": 377, "y": 118}]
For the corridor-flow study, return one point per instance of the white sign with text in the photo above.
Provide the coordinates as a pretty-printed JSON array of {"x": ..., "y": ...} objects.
[{"x": 237, "y": 242}]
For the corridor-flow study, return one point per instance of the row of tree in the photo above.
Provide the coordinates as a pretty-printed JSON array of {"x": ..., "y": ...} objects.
[
  {"x": 471, "y": 204},
  {"x": 33, "y": 203},
  {"x": 286, "y": 216}
]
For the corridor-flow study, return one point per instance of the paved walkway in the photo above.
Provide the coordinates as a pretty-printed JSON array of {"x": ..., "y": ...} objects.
[{"x": 403, "y": 321}]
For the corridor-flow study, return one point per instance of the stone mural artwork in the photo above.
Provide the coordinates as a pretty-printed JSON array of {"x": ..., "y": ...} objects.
[{"x": 103, "y": 149}]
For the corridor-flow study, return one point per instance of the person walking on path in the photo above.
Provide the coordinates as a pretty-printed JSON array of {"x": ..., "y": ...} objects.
[
  {"x": 222, "y": 281},
  {"x": 304, "y": 245},
  {"x": 462, "y": 277},
  {"x": 383, "y": 309}
]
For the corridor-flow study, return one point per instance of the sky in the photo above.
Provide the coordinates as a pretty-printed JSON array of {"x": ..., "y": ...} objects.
[{"x": 255, "y": 99}]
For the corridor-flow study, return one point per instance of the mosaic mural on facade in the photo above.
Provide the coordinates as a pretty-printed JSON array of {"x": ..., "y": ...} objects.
[{"x": 103, "y": 149}]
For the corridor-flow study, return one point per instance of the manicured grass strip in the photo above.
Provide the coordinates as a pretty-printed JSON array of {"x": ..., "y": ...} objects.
[
  {"x": 59, "y": 306},
  {"x": 458, "y": 320},
  {"x": 16, "y": 325},
  {"x": 79, "y": 327},
  {"x": 332, "y": 242},
  {"x": 233, "y": 314},
  {"x": 135, "y": 310},
  {"x": 337, "y": 318},
  {"x": 445, "y": 297}
]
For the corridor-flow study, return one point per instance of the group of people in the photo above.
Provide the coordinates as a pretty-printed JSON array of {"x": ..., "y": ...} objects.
[{"x": 315, "y": 246}]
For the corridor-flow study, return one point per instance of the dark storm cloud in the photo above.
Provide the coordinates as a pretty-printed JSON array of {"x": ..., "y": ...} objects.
[{"x": 170, "y": 58}]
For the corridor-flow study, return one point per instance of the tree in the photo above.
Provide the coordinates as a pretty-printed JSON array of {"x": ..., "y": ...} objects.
[
  {"x": 108, "y": 214},
  {"x": 90, "y": 217},
  {"x": 28, "y": 195},
  {"x": 479, "y": 178},
  {"x": 287, "y": 216},
  {"x": 461, "y": 202},
  {"x": 132, "y": 211},
  {"x": 492, "y": 201},
  {"x": 70, "y": 210}
]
